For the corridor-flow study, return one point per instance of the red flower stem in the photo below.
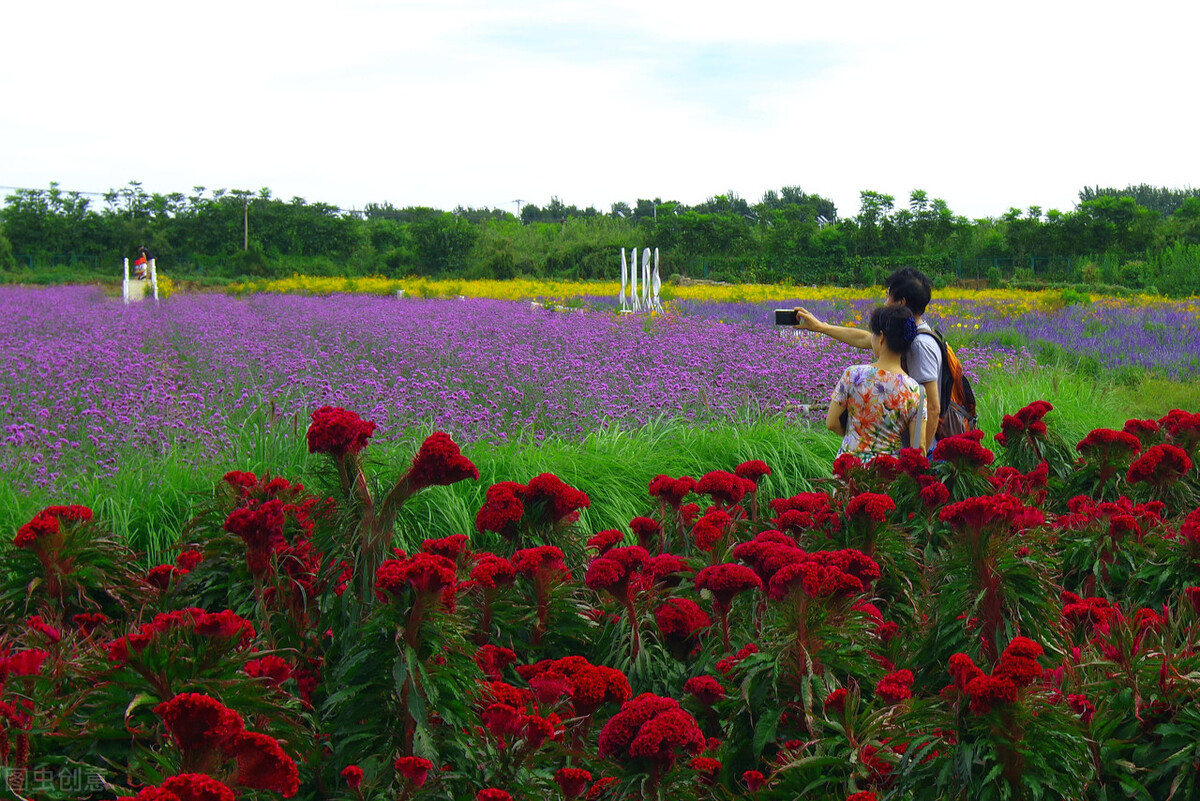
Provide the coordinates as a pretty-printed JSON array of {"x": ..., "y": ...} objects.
[
  {"x": 543, "y": 609},
  {"x": 633, "y": 626},
  {"x": 722, "y": 611}
]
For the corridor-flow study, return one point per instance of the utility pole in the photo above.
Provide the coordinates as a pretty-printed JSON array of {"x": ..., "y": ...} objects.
[
  {"x": 245, "y": 223},
  {"x": 518, "y": 203}
]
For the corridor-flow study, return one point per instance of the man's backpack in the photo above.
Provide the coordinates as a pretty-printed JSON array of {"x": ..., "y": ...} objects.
[{"x": 955, "y": 396}]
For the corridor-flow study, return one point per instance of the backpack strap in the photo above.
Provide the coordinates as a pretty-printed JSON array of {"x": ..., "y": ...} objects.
[{"x": 945, "y": 378}]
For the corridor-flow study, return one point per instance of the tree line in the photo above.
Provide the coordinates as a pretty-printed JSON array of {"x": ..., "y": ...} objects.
[{"x": 1139, "y": 237}]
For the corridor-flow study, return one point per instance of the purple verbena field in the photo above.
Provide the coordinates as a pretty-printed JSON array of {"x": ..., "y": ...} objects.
[
  {"x": 85, "y": 380},
  {"x": 1159, "y": 337}
]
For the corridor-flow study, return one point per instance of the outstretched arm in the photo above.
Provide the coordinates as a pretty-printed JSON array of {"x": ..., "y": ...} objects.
[{"x": 854, "y": 337}]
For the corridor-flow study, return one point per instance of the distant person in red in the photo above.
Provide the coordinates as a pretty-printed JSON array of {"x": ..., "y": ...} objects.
[{"x": 142, "y": 263}]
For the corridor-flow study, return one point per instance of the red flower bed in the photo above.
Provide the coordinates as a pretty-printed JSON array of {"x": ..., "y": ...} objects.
[{"x": 296, "y": 645}]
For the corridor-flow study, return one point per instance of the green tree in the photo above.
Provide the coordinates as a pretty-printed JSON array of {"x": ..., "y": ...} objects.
[{"x": 443, "y": 242}]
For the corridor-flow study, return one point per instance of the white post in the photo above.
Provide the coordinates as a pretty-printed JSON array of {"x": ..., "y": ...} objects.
[
  {"x": 624, "y": 282},
  {"x": 633, "y": 281},
  {"x": 154, "y": 280},
  {"x": 657, "y": 283},
  {"x": 646, "y": 279},
  {"x": 125, "y": 284}
]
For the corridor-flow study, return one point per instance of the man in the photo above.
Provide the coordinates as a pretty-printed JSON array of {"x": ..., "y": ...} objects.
[{"x": 905, "y": 287}]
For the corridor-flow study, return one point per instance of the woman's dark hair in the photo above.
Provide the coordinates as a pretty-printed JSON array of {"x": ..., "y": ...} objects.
[{"x": 896, "y": 324}]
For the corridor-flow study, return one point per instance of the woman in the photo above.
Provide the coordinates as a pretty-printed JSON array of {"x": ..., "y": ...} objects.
[{"x": 885, "y": 406}]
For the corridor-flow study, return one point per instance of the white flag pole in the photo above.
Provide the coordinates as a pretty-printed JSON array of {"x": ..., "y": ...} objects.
[
  {"x": 633, "y": 283},
  {"x": 154, "y": 280},
  {"x": 657, "y": 283},
  {"x": 646, "y": 279},
  {"x": 624, "y": 282},
  {"x": 125, "y": 284}
]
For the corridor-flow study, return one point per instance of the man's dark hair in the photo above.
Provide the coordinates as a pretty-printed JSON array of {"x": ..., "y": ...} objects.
[{"x": 911, "y": 286}]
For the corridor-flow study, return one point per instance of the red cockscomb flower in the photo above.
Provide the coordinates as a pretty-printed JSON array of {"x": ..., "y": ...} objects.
[
  {"x": 424, "y": 572},
  {"x": 934, "y": 493},
  {"x": 710, "y": 528},
  {"x": 1081, "y": 706},
  {"x": 754, "y": 780},
  {"x": 895, "y": 687},
  {"x": 913, "y": 461},
  {"x": 846, "y": 465},
  {"x": 651, "y": 727},
  {"x": 572, "y": 781},
  {"x": 706, "y": 689},
  {"x": 647, "y": 531},
  {"x": 198, "y": 722},
  {"x": 337, "y": 432},
  {"x": 726, "y": 665},
  {"x": 274, "y": 669},
  {"x": 988, "y": 692},
  {"x": 1145, "y": 430},
  {"x": 560, "y": 500},
  {"x": 870, "y": 506},
  {"x": 672, "y": 490},
  {"x": 27, "y": 662},
  {"x": 707, "y": 767},
  {"x": 1160, "y": 465},
  {"x": 225, "y": 625},
  {"x": 601, "y": 541},
  {"x": 963, "y": 670},
  {"x": 188, "y": 559},
  {"x": 261, "y": 528},
  {"x": 754, "y": 470},
  {"x": 41, "y": 529},
  {"x": 1193, "y": 595},
  {"x": 491, "y": 570},
  {"x": 964, "y": 451},
  {"x": 1106, "y": 444},
  {"x": 589, "y": 685},
  {"x": 44, "y": 529},
  {"x": 439, "y": 462},
  {"x": 36, "y": 623},
  {"x": 681, "y": 619},
  {"x": 664, "y": 566},
  {"x": 723, "y": 487},
  {"x": 353, "y": 775},
  {"x": 727, "y": 580},
  {"x": 542, "y": 558},
  {"x": 192, "y": 787},
  {"x": 414, "y": 769},
  {"x": 492, "y": 794},
  {"x": 502, "y": 510},
  {"x": 980, "y": 512},
  {"x": 263, "y": 765},
  {"x": 492, "y": 659}
]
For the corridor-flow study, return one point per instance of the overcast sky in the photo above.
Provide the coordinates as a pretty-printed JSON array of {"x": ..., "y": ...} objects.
[{"x": 987, "y": 105}]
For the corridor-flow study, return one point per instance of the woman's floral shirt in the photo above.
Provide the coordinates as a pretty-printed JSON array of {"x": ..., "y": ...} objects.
[{"x": 882, "y": 406}]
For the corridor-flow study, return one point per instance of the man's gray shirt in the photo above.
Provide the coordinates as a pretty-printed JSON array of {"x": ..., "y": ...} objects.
[{"x": 924, "y": 357}]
